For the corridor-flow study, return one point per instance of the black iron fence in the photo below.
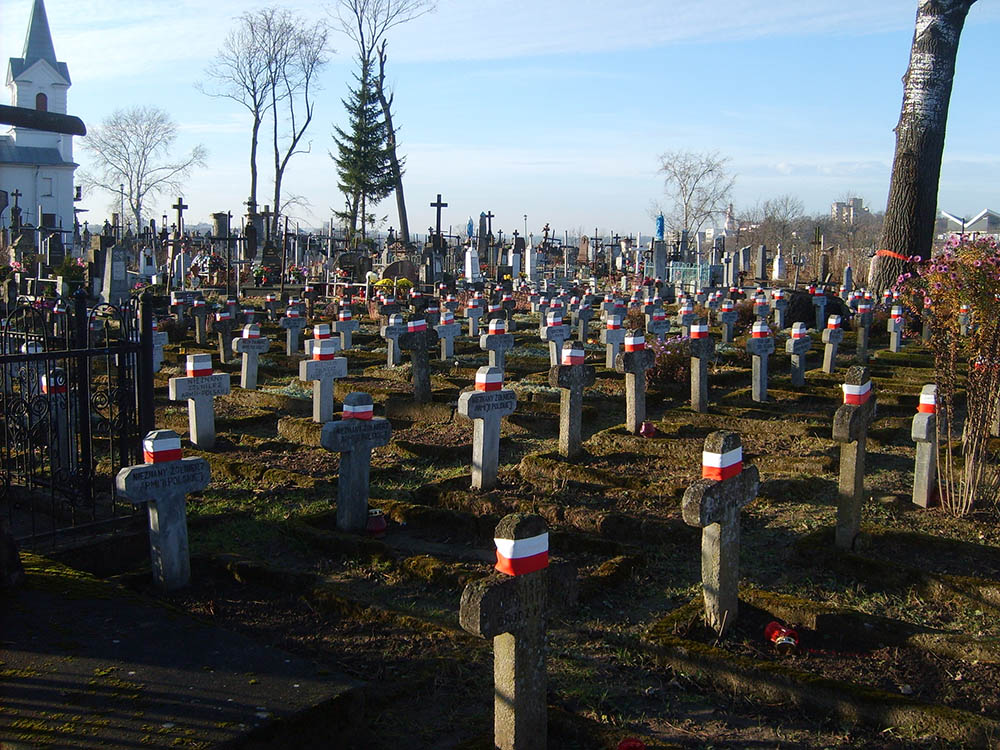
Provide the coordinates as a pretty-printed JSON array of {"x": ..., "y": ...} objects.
[{"x": 76, "y": 390}]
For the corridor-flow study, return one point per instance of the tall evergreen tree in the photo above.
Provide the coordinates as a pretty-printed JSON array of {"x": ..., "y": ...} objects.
[{"x": 364, "y": 171}]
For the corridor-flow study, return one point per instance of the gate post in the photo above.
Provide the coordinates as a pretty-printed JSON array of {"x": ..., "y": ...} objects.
[
  {"x": 144, "y": 388},
  {"x": 81, "y": 380}
]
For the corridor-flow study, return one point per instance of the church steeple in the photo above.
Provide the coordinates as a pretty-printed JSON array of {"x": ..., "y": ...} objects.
[{"x": 38, "y": 41}]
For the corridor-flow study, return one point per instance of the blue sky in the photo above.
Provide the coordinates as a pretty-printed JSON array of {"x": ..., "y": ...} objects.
[{"x": 558, "y": 109}]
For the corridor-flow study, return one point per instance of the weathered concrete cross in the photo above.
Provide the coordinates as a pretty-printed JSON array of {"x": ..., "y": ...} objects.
[
  {"x": 634, "y": 362},
  {"x": 895, "y": 325},
  {"x": 200, "y": 388},
  {"x": 353, "y": 437},
  {"x": 251, "y": 345},
  {"x": 497, "y": 342},
  {"x": 447, "y": 330},
  {"x": 797, "y": 345},
  {"x": 223, "y": 327},
  {"x": 850, "y": 426},
  {"x": 345, "y": 326},
  {"x": 163, "y": 483},
  {"x": 924, "y": 433},
  {"x": 293, "y": 323},
  {"x": 833, "y": 334},
  {"x": 582, "y": 317},
  {"x": 819, "y": 302},
  {"x": 685, "y": 316},
  {"x": 511, "y": 607},
  {"x": 862, "y": 328},
  {"x": 613, "y": 336},
  {"x": 178, "y": 303},
  {"x": 487, "y": 405},
  {"x": 272, "y": 303},
  {"x": 391, "y": 333},
  {"x": 199, "y": 311},
  {"x": 432, "y": 313},
  {"x": 780, "y": 305},
  {"x": 509, "y": 306},
  {"x": 760, "y": 308},
  {"x": 760, "y": 345},
  {"x": 713, "y": 503},
  {"x": 320, "y": 332},
  {"x": 417, "y": 340},
  {"x": 323, "y": 369},
  {"x": 473, "y": 312},
  {"x": 160, "y": 340},
  {"x": 556, "y": 334},
  {"x": 702, "y": 351},
  {"x": 571, "y": 376},
  {"x": 657, "y": 324},
  {"x": 727, "y": 317}
]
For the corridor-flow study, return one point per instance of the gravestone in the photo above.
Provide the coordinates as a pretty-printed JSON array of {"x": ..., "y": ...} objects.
[
  {"x": 417, "y": 340},
  {"x": 702, "y": 351},
  {"x": 556, "y": 334},
  {"x": 223, "y": 327},
  {"x": 613, "y": 336},
  {"x": 320, "y": 332},
  {"x": 447, "y": 330},
  {"x": 509, "y": 305},
  {"x": 819, "y": 302},
  {"x": 797, "y": 345},
  {"x": 114, "y": 288},
  {"x": 160, "y": 340},
  {"x": 833, "y": 334},
  {"x": 199, "y": 311},
  {"x": 179, "y": 303},
  {"x": 862, "y": 329},
  {"x": 713, "y": 504},
  {"x": 760, "y": 308},
  {"x": 582, "y": 317},
  {"x": 895, "y": 325},
  {"x": 199, "y": 389},
  {"x": 848, "y": 282},
  {"x": 685, "y": 317},
  {"x": 780, "y": 305},
  {"x": 473, "y": 312},
  {"x": 251, "y": 345},
  {"x": 432, "y": 313},
  {"x": 727, "y": 319},
  {"x": 353, "y": 437},
  {"x": 760, "y": 345},
  {"x": 850, "y": 427},
  {"x": 391, "y": 334},
  {"x": 345, "y": 326},
  {"x": 163, "y": 483},
  {"x": 634, "y": 362},
  {"x": 511, "y": 608},
  {"x": 571, "y": 376},
  {"x": 923, "y": 431},
  {"x": 271, "y": 304},
  {"x": 497, "y": 342},
  {"x": 323, "y": 369},
  {"x": 657, "y": 324},
  {"x": 760, "y": 267},
  {"x": 293, "y": 323},
  {"x": 487, "y": 405}
]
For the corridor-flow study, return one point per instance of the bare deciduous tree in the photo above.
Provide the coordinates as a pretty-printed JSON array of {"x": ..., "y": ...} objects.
[
  {"x": 699, "y": 185},
  {"x": 366, "y": 22},
  {"x": 131, "y": 147},
  {"x": 916, "y": 169}
]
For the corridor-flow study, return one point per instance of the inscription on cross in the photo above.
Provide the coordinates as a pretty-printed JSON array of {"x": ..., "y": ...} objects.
[
  {"x": 323, "y": 369},
  {"x": 199, "y": 389},
  {"x": 293, "y": 323},
  {"x": 487, "y": 405},
  {"x": 572, "y": 376},
  {"x": 251, "y": 345},
  {"x": 497, "y": 342},
  {"x": 447, "y": 330},
  {"x": 850, "y": 427}
]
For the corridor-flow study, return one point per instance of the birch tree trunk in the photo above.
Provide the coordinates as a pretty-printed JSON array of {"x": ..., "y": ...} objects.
[{"x": 911, "y": 210}]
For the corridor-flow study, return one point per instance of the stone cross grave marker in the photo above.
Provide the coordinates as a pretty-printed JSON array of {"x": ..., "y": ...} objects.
[
  {"x": 487, "y": 405},
  {"x": 450, "y": 303},
  {"x": 613, "y": 336},
  {"x": 797, "y": 345},
  {"x": 862, "y": 328},
  {"x": 556, "y": 334},
  {"x": 473, "y": 312},
  {"x": 780, "y": 306},
  {"x": 685, "y": 316},
  {"x": 163, "y": 483},
  {"x": 223, "y": 327},
  {"x": 249, "y": 315},
  {"x": 850, "y": 427},
  {"x": 509, "y": 305},
  {"x": 160, "y": 340},
  {"x": 418, "y": 303},
  {"x": 447, "y": 330},
  {"x": 179, "y": 303},
  {"x": 432, "y": 313},
  {"x": 634, "y": 362},
  {"x": 61, "y": 434},
  {"x": 251, "y": 345},
  {"x": 540, "y": 306},
  {"x": 353, "y": 437},
  {"x": 760, "y": 345},
  {"x": 293, "y": 323},
  {"x": 848, "y": 280},
  {"x": 345, "y": 326},
  {"x": 833, "y": 334},
  {"x": 199, "y": 311},
  {"x": 511, "y": 607},
  {"x": 713, "y": 503},
  {"x": 494, "y": 311},
  {"x": 320, "y": 332},
  {"x": 233, "y": 306},
  {"x": 712, "y": 303},
  {"x": 702, "y": 350},
  {"x": 582, "y": 317},
  {"x": 727, "y": 318},
  {"x": 760, "y": 308},
  {"x": 391, "y": 333},
  {"x": 199, "y": 389},
  {"x": 417, "y": 340},
  {"x": 964, "y": 316},
  {"x": 571, "y": 376},
  {"x": 497, "y": 342},
  {"x": 323, "y": 369},
  {"x": 924, "y": 433},
  {"x": 657, "y": 324},
  {"x": 387, "y": 308},
  {"x": 819, "y": 302},
  {"x": 271, "y": 304},
  {"x": 895, "y": 325}
]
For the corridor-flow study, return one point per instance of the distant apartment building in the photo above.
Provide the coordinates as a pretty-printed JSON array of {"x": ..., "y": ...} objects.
[{"x": 848, "y": 212}]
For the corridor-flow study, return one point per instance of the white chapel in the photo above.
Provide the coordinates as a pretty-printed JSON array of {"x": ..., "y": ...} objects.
[{"x": 36, "y": 164}]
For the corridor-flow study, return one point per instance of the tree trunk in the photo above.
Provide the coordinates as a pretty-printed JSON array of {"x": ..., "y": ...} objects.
[
  {"x": 397, "y": 173},
  {"x": 254, "y": 138},
  {"x": 911, "y": 210}
]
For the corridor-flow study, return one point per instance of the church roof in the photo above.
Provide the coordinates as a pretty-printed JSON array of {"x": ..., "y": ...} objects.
[
  {"x": 38, "y": 45},
  {"x": 11, "y": 153}
]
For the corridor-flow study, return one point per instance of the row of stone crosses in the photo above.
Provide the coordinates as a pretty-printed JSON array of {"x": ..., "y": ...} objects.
[{"x": 511, "y": 606}]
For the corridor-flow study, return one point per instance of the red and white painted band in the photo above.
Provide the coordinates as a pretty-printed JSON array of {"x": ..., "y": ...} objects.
[
  {"x": 199, "y": 365},
  {"x": 897, "y": 313},
  {"x": 572, "y": 356},
  {"x": 517, "y": 557},
  {"x": 251, "y": 331},
  {"x": 856, "y": 395},
  {"x": 635, "y": 343},
  {"x": 727, "y": 306},
  {"x": 613, "y": 324},
  {"x": 799, "y": 331},
  {"x": 321, "y": 331},
  {"x": 357, "y": 411},
  {"x": 344, "y": 315},
  {"x": 292, "y": 312},
  {"x": 833, "y": 321},
  {"x": 161, "y": 450},
  {"x": 497, "y": 327},
  {"x": 447, "y": 317},
  {"x": 324, "y": 349},
  {"x": 699, "y": 331},
  {"x": 928, "y": 403},
  {"x": 416, "y": 325},
  {"x": 761, "y": 331},
  {"x": 47, "y": 389},
  {"x": 721, "y": 466},
  {"x": 864, "y": 309},
  {"x": 489, "y": 381}
]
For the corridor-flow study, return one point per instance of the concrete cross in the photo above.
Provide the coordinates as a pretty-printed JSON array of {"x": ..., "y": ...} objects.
[
  {"x": 509, "y": 305},
  {"x": 964, "y": 316},
  {"x": 582, "y": 317},
  {"x": 556, "y": 334},
  {"x": 353, "y": 437},
  {"x": 473, "y": 312},
  {"x": 178, "y": 303},
  {"x": 391, "y": 333},
  {"x": 657, "y": 324},
  {"x": 271, "y": 304},
  {"x": 760, "y": 308},
  {"x": 432, "y": 313},
  {"x": 199, "y": 389},
  {"x": 320, "y": 332},
  {"x": 417, "y": 340},
  {"x": 299, "y": 305},
  {"x": 511, "y": 608},
  {"x": 850, "y": 427},
  {"x": 571, "y": 376},
  {"x": 447, "y": 330},
  {"x": 223, "y": 327},
  {"x": 450, "y": 303},
  {"x": 293, "y": 323},
  {"x": 780, "y": 305},
  {"x": 199, "y": 311},
  {"x": 160, "y": 340},
  {"x": 497, "y": 342},
  {"x": 727, "y": 318},
  {"x": 249, "y": 315},
  {"x": 345, "y": 326},
  {"x": 612, "y": 336},
  {"x": 760, "y": 345},
  {"x": 833, "y": 334},
  {"x": 61, "y": 432},
  {"x": 418, "y": 302},
  {"x": 387, "y": 308},
  {"x": 251, "y": 345},
  {"x": 685, "y": 316},
  {"x": 862, "y": 328},
  {"x": 819, "y": 302},
  {"x": 494, "y": 311},
  {"x": 634, "y": 362},
  {"x": 540, "y": 305},
  {"x": 713, "y": 302},
  {"x": 233, "y": 306},
  {"x": 713, "y": 503},
  {"x": 323, "y": 369},
  {"x": 924, "y": 433},
  {"x": 895, "y": 325},
  {"x": 487, "y": 405},
  {"x": 797, "y": 345},
  {"x": 702, "y": 351},
  {"x": 163, "y": 483},
  {"x": 311, "y": 295}
]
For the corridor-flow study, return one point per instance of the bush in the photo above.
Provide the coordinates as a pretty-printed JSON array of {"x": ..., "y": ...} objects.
[{"x": 672, "y": 363}]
